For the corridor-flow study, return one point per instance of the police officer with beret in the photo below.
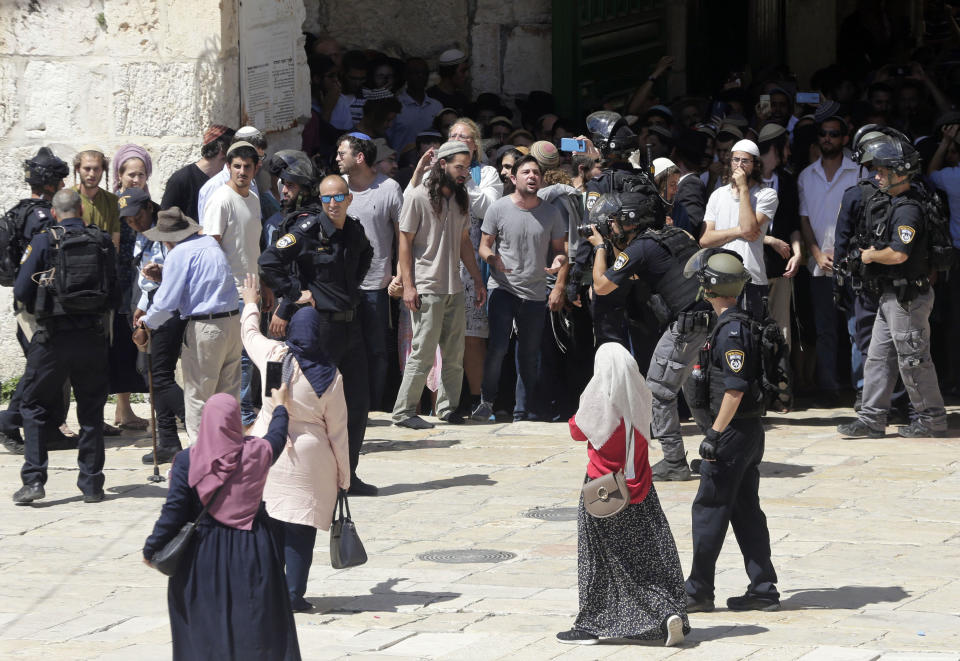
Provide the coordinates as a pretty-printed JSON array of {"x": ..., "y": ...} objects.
[
  {"x": 67, "y": 281},
  {"x": 733, "y": 447},
  {"x": 45, "y": 174},
  {"x": 897, "y": 266},
  {"x": 331, "y": 254}
]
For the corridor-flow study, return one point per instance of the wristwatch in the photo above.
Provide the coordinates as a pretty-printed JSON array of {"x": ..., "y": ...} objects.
[{"x": 602, "y": 246}]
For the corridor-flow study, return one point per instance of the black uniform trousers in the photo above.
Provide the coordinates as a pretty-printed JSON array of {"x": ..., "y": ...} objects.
[
  {"x": 729, "y": 494},
  {"x": 343, "y": 341},
  {"x": 78, "y": 354},
  {"x": 11, "y": 421},
  {"x": 165, "y": 343}
]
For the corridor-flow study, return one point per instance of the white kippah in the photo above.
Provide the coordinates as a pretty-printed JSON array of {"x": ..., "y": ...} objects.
[{"x": 748, "y": 146}]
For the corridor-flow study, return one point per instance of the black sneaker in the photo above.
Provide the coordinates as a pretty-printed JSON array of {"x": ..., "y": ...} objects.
[
  {"x": 453, "y": 418},
  {"x": 360, "y": 488},
  {"x": 859, "y": 429},
  {"x": 668, "y": 471},
  {"x": 60, "y": 441},
  {"x": 94, "y": 497},
  {"x": 577, "y": 637},
  {"x": 750, "y": 602},
  {"x": 12, "y": 441},
  {"x": 299, "y": 604},
  {"x": 29, "y": 493},
  {"x": 164, "y": 456},
  {"x": 415, "y": 422},
  {"x": 916, "y": 430},
  {"x": 695, "y": 605}
]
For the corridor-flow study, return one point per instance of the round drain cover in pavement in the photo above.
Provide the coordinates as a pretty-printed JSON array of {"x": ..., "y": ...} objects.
[
  {"x": 553, "y": 513},
  {"x": 456, "y": 556}
]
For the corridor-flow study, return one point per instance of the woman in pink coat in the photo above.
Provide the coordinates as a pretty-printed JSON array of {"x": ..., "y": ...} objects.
[{"x": 302, "y": 486}]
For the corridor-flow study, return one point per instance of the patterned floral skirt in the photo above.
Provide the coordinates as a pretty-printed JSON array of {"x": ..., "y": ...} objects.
[{"x": 628, "y": 573}]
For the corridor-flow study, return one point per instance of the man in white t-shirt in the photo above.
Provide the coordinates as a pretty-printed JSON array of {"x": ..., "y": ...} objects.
[
  {"x": 737, "y": 217},
  {"x": 377, "y": 202},
  {"x": 232, "y": 217}
]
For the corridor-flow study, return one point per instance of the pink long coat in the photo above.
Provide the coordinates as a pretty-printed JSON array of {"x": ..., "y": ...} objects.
[{"x": 302, "y": 485}]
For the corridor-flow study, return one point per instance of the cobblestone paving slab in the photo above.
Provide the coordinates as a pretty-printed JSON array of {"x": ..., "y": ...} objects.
[{"x": 865, "y": 537}]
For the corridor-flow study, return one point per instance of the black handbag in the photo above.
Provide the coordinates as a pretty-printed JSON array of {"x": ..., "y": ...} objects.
[
  {"x": 346, "y": 549},
  {"x": 167, "y": 559}
]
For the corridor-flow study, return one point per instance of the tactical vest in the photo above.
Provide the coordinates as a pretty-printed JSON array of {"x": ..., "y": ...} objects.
[
  {"x": 752, "y": 404},
  {"x": 78, "y": 281},
  {"x": 676, "y": 291},
  {"x": 879, "y": 212},
  {"x": 12, "y": 239}
]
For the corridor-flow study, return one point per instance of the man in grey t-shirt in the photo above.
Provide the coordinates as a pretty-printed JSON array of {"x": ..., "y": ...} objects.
[
  {"x": 521, "y": 235},
  {"x": 377, "y": 202}
]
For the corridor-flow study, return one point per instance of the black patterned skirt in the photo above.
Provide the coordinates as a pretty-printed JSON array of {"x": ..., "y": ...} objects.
[{"x": 628, "y": 573}]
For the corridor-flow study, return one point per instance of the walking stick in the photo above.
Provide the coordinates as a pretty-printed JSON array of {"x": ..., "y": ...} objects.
[{"x": 156, "y": 477}]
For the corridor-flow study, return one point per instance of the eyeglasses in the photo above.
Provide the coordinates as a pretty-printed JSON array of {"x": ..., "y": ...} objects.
[
  {"x": 339, "y": 197},
  {"x": 833, "y": 133},
  {"x": 737, "y": 160}
]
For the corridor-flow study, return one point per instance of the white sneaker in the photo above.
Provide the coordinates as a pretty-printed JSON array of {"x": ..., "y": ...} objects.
[{"x": 674, "y": 627}]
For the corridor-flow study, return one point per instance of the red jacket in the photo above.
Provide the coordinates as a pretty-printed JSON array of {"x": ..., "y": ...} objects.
[{"x": 612, "y": 455}]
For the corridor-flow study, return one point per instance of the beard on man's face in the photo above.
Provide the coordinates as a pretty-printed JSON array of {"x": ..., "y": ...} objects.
[{"x": 449, "y": 181}]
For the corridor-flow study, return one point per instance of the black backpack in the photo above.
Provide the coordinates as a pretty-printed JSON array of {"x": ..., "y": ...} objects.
[
  {"x": 12, "y": 242},
  {"x": 937, "y": 224},
  {"x": 81, "y": 278},
  {"x": 775, "y": 372}
]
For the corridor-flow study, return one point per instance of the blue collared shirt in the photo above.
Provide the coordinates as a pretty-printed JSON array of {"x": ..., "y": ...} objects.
[
  {"x": 196, "y": 280},
  {"x": 146, "y": 251}
]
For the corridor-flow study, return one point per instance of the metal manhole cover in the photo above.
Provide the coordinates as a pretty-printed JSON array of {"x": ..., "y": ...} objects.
[
  {"x": 456, "y": 556},
  {"x": 553, "y": 513}
]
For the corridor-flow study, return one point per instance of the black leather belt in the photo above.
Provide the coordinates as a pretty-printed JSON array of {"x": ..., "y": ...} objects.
[
  {"x": 345, "y": 315},
  {"x": 209, "y": 317}
]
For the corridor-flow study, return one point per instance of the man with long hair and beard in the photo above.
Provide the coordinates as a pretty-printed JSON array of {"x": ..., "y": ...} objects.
[{"x": 434, "y": 238}]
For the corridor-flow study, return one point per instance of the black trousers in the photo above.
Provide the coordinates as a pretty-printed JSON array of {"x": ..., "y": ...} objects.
[
  {"x": 165, "y": 343},
  {"x": 81, "y": 356},
  {"x": 11, "y": 421},
  {"x": 345, "y": 346},
  {"x": 297, "y": 541},
  {"x": 729, "y": 494}
]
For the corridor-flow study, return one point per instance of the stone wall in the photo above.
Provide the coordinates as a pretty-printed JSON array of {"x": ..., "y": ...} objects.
[
  {"x": 107, "y": 72},
  {"x": 509, "y": 42}
]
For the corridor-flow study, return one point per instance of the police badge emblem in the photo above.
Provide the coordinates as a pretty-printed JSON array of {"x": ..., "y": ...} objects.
[
  {"x": 622, "y": 260},
  {"x": 906, "y": 233},
  {"x": 286, "y": 241},
  {"x": 734, "y": 359}
]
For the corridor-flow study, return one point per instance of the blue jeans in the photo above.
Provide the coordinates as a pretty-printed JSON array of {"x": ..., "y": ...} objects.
[
  {"x": 374, "y": 311},
  {"x": 825, "y": 320},
  {"x": 504, "y": 310}
]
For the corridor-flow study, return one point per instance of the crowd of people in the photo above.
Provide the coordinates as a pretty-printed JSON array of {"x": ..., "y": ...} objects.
[{"x": 426, "y": 252}]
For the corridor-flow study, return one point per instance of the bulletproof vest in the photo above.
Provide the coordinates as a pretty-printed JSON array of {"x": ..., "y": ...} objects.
[
  {"x": 676, "y": 291},
  {"x": 868, "y": 188},
  {"x": 752, "y": 404},
  {"x": 78, "y": 281},
  {"x": 12, "y": 240},
  {"x": 880, "y": 232}
]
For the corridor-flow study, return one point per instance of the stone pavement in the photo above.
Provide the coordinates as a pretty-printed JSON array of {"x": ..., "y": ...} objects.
[{"x": 866, "y": 541}]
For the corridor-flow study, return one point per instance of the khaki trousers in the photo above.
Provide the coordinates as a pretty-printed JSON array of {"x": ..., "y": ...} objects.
[{"x": 210, "y": 360}]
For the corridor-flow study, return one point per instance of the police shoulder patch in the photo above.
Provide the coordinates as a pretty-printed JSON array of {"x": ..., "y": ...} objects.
[
  {"x": 26, "y": 253},
  {"x": 906, "y": 233},
  {"x": 592, "y": 199},
  {"x": 734, "y": 359},
  {"x": 622, "y": 260},
  {"x": 286, "y": 241}
]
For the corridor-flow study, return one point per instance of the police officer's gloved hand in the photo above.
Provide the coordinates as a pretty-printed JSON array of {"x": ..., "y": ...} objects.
[{"x": 708, "y": 448}]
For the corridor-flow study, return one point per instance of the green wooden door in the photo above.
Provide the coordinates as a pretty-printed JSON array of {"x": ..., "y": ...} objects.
[{"x": 603, "y": 49}]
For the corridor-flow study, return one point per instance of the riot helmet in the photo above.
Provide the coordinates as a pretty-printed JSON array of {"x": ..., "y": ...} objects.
[
  {"x": 609, "y": 131},
  {"x": 44, "y": 169},
  {"x": 898, "y": 156},
  {"x": 720, "y": 272}
]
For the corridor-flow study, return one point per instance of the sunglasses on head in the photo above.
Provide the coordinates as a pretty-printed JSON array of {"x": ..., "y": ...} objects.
[
  {"x": 339, "y": 197},
  {"x": 833, "y": 133}
]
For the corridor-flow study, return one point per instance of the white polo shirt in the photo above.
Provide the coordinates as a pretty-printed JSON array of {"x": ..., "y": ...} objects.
[{"x": 820, "y": 201}]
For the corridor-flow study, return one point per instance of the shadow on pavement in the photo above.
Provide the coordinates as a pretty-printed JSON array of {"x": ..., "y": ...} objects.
[
  {"x": 382, "y": 599},
  {"x": 699, "y": 635},
  {"x": 471, "y": 480},
  {"x": 145, "y": 490},
  {"x": 849, "y": 597},
  {"x": 375, "y": 445},
  {"x": 775, "y": 469},
  {"x": 818, "y": 421}
]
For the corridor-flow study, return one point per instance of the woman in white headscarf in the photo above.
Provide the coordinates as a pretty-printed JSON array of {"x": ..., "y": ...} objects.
[{"x": 628, "y": 570}]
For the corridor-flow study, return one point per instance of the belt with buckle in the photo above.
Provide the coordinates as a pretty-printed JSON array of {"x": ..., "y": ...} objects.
[{"x": 215, "y": 315}]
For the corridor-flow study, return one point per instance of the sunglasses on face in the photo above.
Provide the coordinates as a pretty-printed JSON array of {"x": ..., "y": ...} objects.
[
  {"x": 339, "y": 197},
  {"x": 833, "y": 133}
]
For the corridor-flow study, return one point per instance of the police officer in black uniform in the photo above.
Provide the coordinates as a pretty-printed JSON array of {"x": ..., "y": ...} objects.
[
  {"x": 66, "y": 280},
  {"x": 45, "y": 174},
  {"x": 331, "y": 254},
  {"x": 649, "y": 257},
  {"x": 897, "y": 266},
  {"x": 733, "y": 447}
]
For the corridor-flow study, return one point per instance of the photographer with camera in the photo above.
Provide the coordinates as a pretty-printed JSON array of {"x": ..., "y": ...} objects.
[{"x": 648, "y": 268}]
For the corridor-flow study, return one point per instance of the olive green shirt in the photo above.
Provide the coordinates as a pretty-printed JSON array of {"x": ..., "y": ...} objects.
[{"x": 101, "y": 211}]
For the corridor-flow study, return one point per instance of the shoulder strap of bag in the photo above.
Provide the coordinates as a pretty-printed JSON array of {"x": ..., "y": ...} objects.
[
  {"x": 209, "y": 503},
  {"x": 629, "y": 469},
  {"x": 287, "y": 370}
]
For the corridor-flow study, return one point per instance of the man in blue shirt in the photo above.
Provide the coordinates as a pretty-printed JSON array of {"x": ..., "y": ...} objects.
[{"x": 196, "y": 281}]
